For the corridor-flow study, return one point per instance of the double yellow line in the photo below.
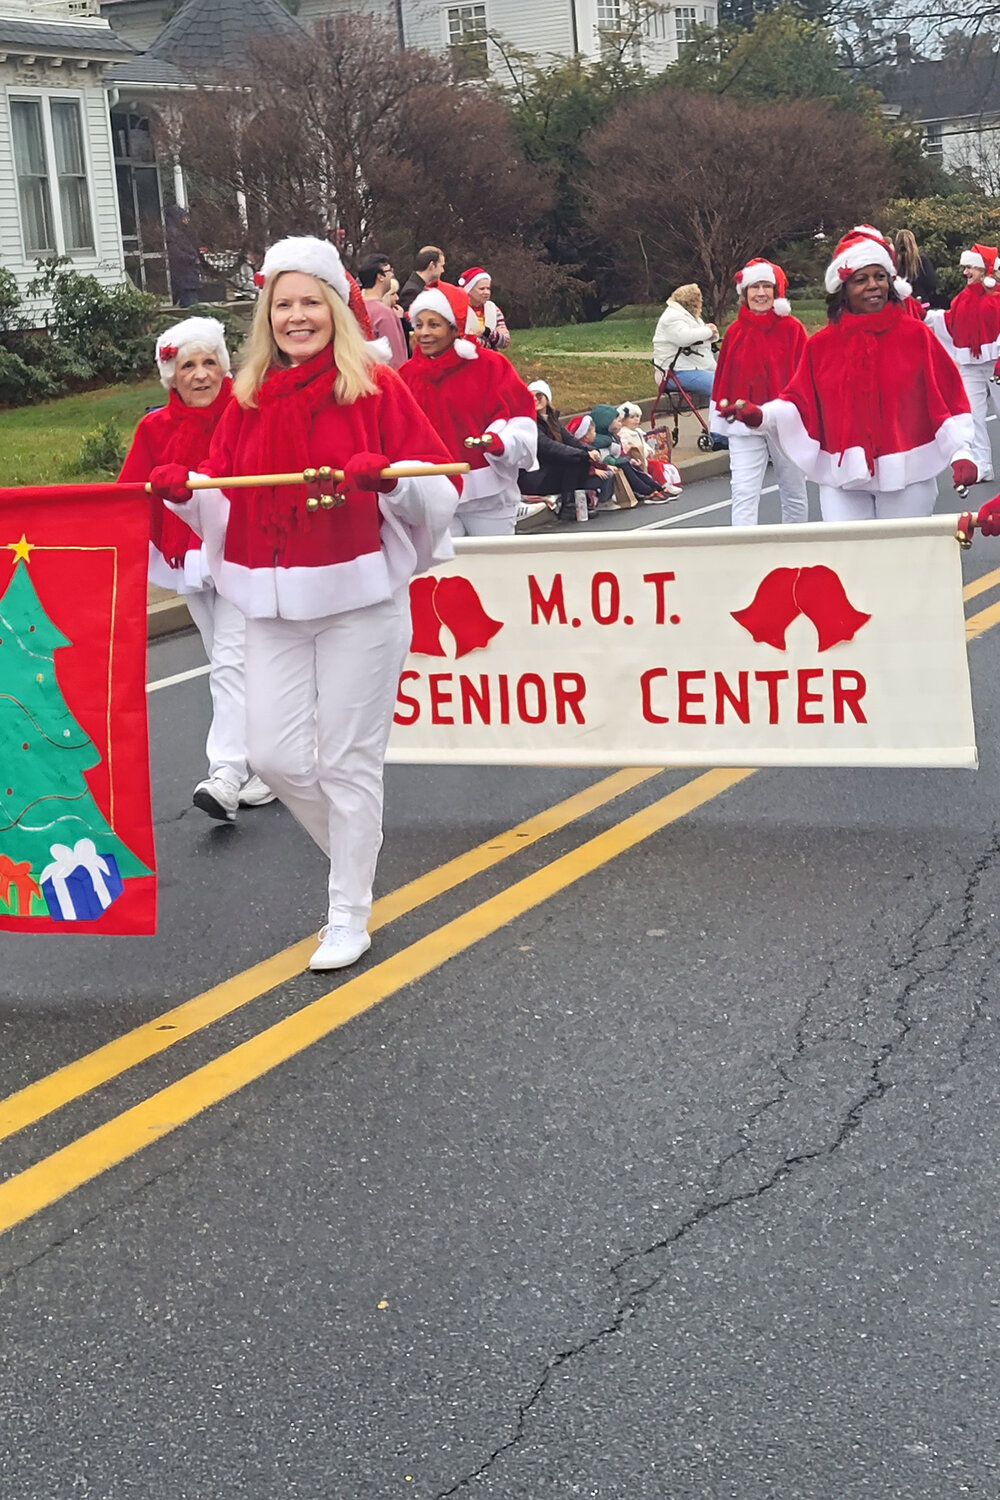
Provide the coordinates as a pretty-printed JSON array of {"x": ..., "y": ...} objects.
[{"x": 90, "y": 1155}]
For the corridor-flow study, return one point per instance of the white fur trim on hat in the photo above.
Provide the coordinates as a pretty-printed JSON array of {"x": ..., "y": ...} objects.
[
  {"x": 311, "y": 256},
  {"x": 782, "y": 306},
  {"x": 474, "y": 281},
  {"x": 972, "y": 258},
  {"x": 185, "y": 336},
  {"x": 750, "y": 275},
  {"x": 863, "y": 252},
  {"x": 543, "y": 386}
]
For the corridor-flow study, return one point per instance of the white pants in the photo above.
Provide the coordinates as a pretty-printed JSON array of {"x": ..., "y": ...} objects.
[
  {"x": 748, "y": 456},
  {"x": 221, "y": 627},
  {"x": 482, "y": 523},
  {"x": 878, "y": 505},
  {"x": 981, "y": 392},
  {"x": 320, "y": 700}
]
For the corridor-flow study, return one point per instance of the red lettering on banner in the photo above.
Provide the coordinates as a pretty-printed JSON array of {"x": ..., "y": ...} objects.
[
  {"x": 724, "y": 694},
  {"x": 440, "y": 697},
  {"x": 646, "y": 682},
  {"x": 686, "y": 699},
  {"x": 772, "y": 679},
  {"x": 555, "y": 604},
  {"x": 411, "y": 705},
  {"x": 532, "y": 680},
  {"x": 849, "y": 696},
  {"x": 805, "y": 676},
  {"x": 610, "y": 582},
  {"x": 480, "y": 697},
  {"x": 659, "y": 582},
  {"x": 504, "y": 701},
  {"x": 570, "y": 690}
]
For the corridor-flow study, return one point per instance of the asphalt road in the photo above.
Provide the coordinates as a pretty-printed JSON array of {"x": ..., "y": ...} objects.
[{"x": 676, "y": 1180}]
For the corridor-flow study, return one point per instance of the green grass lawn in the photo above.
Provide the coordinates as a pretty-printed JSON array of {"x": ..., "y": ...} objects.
[
  {"x": 583, "y": 362},
  {"x": 40, "y": 444}
]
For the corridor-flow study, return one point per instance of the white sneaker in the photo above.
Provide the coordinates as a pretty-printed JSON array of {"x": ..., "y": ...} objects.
[
  {"x": 339, "y": 948},
  {"x": 217, "y": 798},
  {"x": 256, "y": 793}
]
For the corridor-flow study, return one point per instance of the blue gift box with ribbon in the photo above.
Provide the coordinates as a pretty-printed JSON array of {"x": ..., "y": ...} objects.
[{"x": 79, "y": 885}]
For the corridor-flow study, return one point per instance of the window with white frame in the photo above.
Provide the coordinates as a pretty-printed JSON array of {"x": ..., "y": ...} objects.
[
  {"x": 685, "y": 20},
  {"x": 655, "y": 25},
  {"x": 933, "y": 144},
  {"x": 52, "y": 182},
  {"x": 609, "y": 15},
  {"x": 467, "y": 41}
]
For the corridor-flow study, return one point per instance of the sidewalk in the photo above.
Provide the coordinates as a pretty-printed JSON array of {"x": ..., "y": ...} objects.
[{"x": 167, "y": 613}]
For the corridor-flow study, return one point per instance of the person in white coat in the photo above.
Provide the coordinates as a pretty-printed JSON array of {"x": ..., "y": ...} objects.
[{"x": 684, "y": 339}]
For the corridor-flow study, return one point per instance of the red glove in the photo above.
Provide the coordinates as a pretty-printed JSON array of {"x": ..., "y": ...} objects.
[
  {"x": 364, "y": 472},
  {"x": 988, "y": 519},
  {"x": 964, "y": 473},
  {"x": 742, "y": 411},
  {"x": 169, "y": 482},
  {"x": 492, "y": 443}
]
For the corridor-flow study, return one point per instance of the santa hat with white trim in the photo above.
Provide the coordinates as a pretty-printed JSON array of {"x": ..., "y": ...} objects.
[
  {"x": 190, "y": 335},
  {"x": 863, "y": 246},
  {"x": 451, "y": 303},
  {"x": 986, "y": 258},
  {"x": 766, "y": 270},
  {"x": 318, "y": 258},
  {"x": 472, "y": 277},
  {"x": 577, "y": 426}
]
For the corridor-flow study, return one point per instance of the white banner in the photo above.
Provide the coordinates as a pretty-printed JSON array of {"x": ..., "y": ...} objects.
[{"x": 817, "y": 645}]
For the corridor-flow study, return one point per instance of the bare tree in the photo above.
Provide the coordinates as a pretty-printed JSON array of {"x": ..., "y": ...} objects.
[{"x": 689, "y": 186}]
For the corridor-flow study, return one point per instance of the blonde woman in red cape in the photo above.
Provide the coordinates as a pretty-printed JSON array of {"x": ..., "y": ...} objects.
[
  {"x": 759, "y": 355},
  {"x": 970, "y": 331},
  {"x": 876, "y": 408},
  {"x": 324, "y": 591}
]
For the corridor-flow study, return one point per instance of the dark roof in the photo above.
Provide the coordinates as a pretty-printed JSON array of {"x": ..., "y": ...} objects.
[
  {"x": 145, "y": 70},
  {"x": 54, "y": 38},
  {"x": 950, "y": 89},
  {"x": 208, "y": 35}
]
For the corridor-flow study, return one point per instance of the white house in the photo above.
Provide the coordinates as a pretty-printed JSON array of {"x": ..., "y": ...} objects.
[
  {"x": 956, "y": 101},
  {"x": 57, "y": 174}
]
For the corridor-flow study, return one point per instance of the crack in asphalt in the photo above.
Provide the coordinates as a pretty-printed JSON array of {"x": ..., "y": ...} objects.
[{"x": 633, "y": 1298}]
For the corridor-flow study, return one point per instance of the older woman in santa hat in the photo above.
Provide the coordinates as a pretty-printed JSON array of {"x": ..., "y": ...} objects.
[
  {"x": 469, "y": 392},
  {"x": 324, "y": 591},
  {"x": 193, "y": 362},
  {"x": 758, "y": 357},
  {"x": 970, "y": 331},
  {"x": 876, "y": 408},
  {"x": 485, "y": 321}
]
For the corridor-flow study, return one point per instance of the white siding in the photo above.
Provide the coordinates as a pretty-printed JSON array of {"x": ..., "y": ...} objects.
[
  {"x": 138, "y": 21},
  {"x": 106, "y": 261},
  {"x": 544, "y": 28},
  {"x": 310, "y": 11}
]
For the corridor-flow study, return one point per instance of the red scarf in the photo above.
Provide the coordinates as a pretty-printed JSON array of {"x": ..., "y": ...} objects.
[
  {"x": 758, "y": 356},
  {"x": 860, "y": 334},
  {"x": 188, "y": 439},
  {"x": 440, "y": 367},
  {"x": 973, "y": 319},
  {"x": 288, "y": 402}
]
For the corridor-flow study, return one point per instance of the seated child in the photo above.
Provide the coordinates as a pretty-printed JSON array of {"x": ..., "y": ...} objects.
[
  {"x": 634, "y": 445},
  {"x": 607, "y": 440}
]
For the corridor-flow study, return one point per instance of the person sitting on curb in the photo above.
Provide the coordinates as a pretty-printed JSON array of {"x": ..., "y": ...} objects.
[
  {"x": 634, "y": 445},
  {"x": 607, "y": 440},
  {"x": 568, "y": 462}
]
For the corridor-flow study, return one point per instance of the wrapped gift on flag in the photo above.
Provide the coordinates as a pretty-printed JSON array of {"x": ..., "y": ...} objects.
[
  {"x": 76, "y": 836},
  {"x": 79, "y": 885}
]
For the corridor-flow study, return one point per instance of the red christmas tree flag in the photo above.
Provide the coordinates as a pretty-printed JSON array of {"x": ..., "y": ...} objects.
[{"x": 76, "y": 833}]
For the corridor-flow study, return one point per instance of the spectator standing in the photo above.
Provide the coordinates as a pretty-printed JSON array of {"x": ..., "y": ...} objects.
[
  {"x": 375, "y": 276},
  {"x": 485, "y": 322},
  {"x": 916, "y": 268},
  {"x": 428, "y": 268},
  {"x": 183, "y": 257}
]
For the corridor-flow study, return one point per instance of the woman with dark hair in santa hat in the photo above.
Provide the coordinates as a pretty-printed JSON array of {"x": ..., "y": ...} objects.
[
  {"x": 485, "y": 321},
  {"x": 758, "y": 357},
  {"x": 324, "y": 591},
  {"x": 193, "y": 362},
  {"x": 468, "y": 392},
  {"x": 875, "y": 408},
  {"x": 970, "y": 331}
]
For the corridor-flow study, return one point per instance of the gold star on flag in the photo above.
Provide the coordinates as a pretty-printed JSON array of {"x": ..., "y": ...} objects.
[{"x": 21, "y": 549}]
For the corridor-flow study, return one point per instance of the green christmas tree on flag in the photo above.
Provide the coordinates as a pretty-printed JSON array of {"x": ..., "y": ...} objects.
[{"x": 45, "y": 802}]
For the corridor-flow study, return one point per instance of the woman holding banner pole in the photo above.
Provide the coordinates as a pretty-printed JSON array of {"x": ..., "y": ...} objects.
[
  {"x": 876, "y": 408},
  {"x": 324, "y": 590},
  {"x": 193, "y": 362}
]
